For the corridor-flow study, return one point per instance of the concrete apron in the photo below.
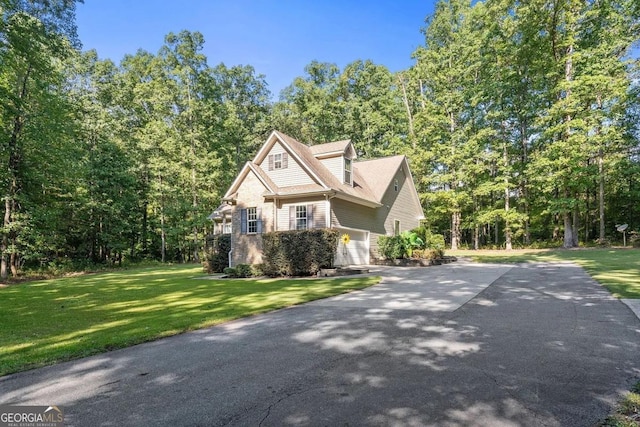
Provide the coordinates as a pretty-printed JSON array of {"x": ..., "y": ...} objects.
[
  {"x": 442, "y": 289},
  {"x": 634, "y": 305}
]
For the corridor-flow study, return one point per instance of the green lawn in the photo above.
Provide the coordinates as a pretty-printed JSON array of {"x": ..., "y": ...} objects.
[
  {"x": 617, "y": 269},
  {"x": 60, "y": 319}
]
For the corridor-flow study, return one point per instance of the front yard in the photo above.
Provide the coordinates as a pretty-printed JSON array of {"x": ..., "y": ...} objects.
[
  {"x": 617, "y": 269},
  {"x": 53, "y": 320}
]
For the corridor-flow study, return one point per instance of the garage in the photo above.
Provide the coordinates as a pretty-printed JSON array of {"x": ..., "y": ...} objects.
[{"x": 356, "y": 252}]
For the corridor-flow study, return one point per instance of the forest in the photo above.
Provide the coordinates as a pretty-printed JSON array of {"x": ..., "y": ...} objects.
[{"x": 520, "y": 120}]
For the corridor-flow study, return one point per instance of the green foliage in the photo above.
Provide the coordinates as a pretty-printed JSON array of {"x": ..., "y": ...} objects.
[
  {"x": 430, "y": 240},
  {"x": 240, "y": 271},
  {"x": 521, "y": 122},
  {"x": 160, "y": 301},
  {"x": 430, "y": 254},
  {"x": 299, "y": 252},
  {"x": 392, "y": 247},
  {"x": 217, "y": 253},
  {"x": 411, "y": 241}
]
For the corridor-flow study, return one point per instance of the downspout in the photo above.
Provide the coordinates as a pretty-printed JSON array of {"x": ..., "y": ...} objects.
[
  {"x": 327, "y": 207},
  {"x": 231, "y": 243},
  {"x": 275, "y": 214}
]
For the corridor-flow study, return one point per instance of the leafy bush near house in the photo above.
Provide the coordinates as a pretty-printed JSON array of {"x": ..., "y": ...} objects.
[
  {"x": 417, "y": 243},
  {"x": 431, "y": 240},
  {"x": 392, "y": 247},
  {"x": 240, "y": 271},
  {"x": 428, "y": 253},
  {"x": 299, "y": 252},
  {"x": 217, "y": 253}
]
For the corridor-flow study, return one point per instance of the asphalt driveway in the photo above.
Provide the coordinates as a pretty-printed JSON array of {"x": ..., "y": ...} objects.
[{"x": 454, "y": 345}]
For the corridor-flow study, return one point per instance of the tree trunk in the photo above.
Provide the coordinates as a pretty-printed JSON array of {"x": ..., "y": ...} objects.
[
  {"x": 507, "y": 229},
  {"x": 455, "y": 230},
  {"x": 574, "y": 225},
  {"x": 601, "y": 193},
  {"x": 405, "y": 100},
  {"x": 5, "y": 240},
  {"x": 524, "y": 189},
  {"x": 568, "y": 230},
  {"x": 163, "y": 234},
  {"x": 476, "y": 238}
]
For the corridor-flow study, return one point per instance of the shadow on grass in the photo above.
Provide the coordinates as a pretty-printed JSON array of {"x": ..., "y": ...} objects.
[
  {"x": 543, "y": 345},
  {"x": 60, "y": 319}
]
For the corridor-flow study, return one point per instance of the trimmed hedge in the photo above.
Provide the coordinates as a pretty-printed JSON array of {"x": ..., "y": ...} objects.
[
  {"x": 298, "y": 253},
  {"x": 217, "y": 253}
]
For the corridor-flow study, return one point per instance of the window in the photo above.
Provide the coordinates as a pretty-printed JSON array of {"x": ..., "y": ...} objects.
[
  {"x": 226, "y": 228},
  {"x": 301, "y": 217},
  {"x": 395, "y": 185},
  {"x": 278, "y": 161},
  {"x": 396, "y": 227},
  {"x": 347, "y": 171},
  {"x": 252, "y": 220}
]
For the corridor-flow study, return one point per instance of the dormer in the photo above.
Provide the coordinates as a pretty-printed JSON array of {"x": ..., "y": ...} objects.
[{"x": 338, "y": 158}]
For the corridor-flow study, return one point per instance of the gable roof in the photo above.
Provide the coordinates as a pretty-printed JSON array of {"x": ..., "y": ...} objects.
[
  {"x": 337, "y": 148},
  {"x": 379, "y": 173},
  {"x": 371, "y": 178}
]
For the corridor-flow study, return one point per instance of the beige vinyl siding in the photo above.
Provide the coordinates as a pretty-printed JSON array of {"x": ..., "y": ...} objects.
[
  {"x": 335, "y": 166},
  {"x": 294, "y": 174},
  {"x": 247, "y": 248},
  {"x": 400, "y": 205},
  {"x": 351, "y": 215},
  {"x": 319, "y": 213}
]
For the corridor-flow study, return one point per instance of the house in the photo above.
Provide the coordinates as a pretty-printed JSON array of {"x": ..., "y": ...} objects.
[{"x": 291, "y": 186}]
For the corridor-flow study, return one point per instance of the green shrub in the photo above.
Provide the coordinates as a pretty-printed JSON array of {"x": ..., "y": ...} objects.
[
  {"x": 298, "y": 252},
  {"x": 217, "y": 253},
  {"x": 428, "y": 253},
  {"x": 257, "y": 270},
  {"x": 431, "y": 240},
  {"x": 392, "y": 247},
  {"x": 244, "y": 270},
  {"x": 435, "y": 241},
  {"x": 240, "y": 271}
]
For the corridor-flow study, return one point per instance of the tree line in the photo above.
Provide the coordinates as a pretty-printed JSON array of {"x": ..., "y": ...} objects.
[{"x": 520, "y": 120}]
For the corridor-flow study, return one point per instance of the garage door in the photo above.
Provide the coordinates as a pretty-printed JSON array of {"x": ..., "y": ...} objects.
[{"x": 356, "y": 252}]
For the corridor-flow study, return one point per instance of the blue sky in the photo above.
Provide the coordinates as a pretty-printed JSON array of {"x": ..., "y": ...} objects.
[{"x": 278, "y": 38}]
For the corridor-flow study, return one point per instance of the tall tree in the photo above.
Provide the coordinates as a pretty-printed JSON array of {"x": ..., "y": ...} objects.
[
  {"x": 446, "y": 129},
  {"x": 36, "y": 37}
]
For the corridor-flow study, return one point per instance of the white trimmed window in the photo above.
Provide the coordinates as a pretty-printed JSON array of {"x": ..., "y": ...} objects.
[
  {"x": 396, "y": 227},
  {"x": 252, "y": 220},
  {"x": 301, "y": 217},
  {"x": 278, "y": 161},
  {"x": 347, "y": 171}
]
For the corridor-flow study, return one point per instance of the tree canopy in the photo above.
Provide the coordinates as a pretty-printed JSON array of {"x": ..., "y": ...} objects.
[{"x": 521, "y": 121}]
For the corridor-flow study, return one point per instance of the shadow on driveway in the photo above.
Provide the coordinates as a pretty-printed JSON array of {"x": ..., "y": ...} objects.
[{"x": 453, "y": 345}]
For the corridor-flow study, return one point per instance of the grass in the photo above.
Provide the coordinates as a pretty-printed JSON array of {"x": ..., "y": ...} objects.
[
  {"x": 627, "y": 413},
  {"x": 49, "y": 321},
  {"x": 617, "y": 269}
]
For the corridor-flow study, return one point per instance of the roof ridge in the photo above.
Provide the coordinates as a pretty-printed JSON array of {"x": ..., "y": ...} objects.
[{"x": 381, "y": 158}]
